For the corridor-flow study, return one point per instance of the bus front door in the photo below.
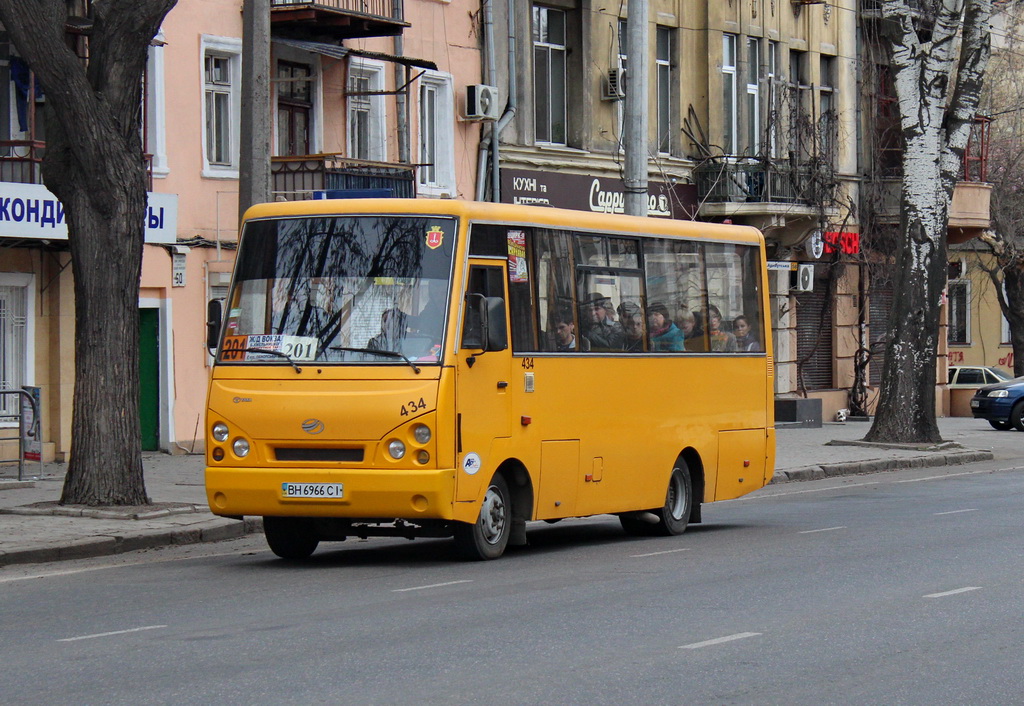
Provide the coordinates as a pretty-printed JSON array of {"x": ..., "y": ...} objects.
[{"x": 483, "y": 396}]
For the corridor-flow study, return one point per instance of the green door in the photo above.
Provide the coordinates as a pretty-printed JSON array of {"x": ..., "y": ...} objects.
[{"x": 149, "y": 378}]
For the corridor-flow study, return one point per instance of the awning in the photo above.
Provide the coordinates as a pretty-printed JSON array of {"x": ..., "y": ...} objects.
[{"x": 338, "y": 52}]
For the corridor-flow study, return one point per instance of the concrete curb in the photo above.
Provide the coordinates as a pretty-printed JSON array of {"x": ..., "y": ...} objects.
[
  {"x": 214, "y": 530},
  {"x": 830, "y": 470}
]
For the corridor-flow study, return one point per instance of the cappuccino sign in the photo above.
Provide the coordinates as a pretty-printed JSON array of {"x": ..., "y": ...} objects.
[{"x": 597, "y": 194}]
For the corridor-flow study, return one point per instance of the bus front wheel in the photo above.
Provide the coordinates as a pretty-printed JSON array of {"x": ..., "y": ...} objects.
[
  {"x": 673, "y": 517},
  {"x": 488, "y": 536},
  {"x": 290, "y": 537}
]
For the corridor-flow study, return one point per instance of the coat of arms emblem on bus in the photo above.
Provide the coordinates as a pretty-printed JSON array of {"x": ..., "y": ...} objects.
[{"x": 435, "y": 236}]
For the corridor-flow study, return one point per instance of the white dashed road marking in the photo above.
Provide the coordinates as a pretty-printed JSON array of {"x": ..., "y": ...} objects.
[
  {"x": 955, "y": 591},
  {"x": 433, "y": 585},
  {"x": 719, "y": 640},
  {"x": 823, "y": 529},
  {"x": 667, "y": 551},
  {"x": 957, "y": 512},
  {"x": 108, "y": 634}
]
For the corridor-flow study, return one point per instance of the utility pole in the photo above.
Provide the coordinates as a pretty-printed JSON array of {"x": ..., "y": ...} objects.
[
  {"x": 634, "y": 122},
  {"x": 254, "y": 132}
]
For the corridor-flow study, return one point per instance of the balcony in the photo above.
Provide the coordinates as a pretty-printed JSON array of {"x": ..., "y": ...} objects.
[
  {"x": 296, "y": 178},
  {"x": 21, "y": 161},
  {"x": 969, "y": 211},
  {"x": 333, "y": 20}
]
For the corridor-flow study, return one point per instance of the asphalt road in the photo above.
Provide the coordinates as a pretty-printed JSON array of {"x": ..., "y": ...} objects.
[{"x": 898, "y": 588}]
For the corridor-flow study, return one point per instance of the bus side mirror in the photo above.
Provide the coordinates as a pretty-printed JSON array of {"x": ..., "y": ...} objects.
[
  {"x": 484, "y": 327},
  {"x": 213, "y": 323}
]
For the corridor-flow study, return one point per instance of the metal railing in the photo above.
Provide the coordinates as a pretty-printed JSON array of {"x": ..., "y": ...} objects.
[
  {"x": 377, "y": 8},
  {"x": 298, "y": 177},
  {"x": 23, "y": 433},
  {"x": 745, "y": 181}
]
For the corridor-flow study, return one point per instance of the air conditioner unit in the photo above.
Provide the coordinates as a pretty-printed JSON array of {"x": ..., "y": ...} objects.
[
  {"x": 613, "y": 87},
  {"x": 482, "y": 102},
  {"x": 805, "y": 278}
]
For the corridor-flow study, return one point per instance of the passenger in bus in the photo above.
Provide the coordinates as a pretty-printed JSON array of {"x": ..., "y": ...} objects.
[
  {"x": 392, "y": 331},
  {"x": 565, "y": 338},
  {"x": 429, "y": 321},
  {"x": 665, "y": 335},
  {"x": 631, "y": 316},
  {"x": 605, "y": 333},
  {"x": 745, "y": 338},
  {"x": 721, "y": 341},
  {"x": 693, "y": 336}
]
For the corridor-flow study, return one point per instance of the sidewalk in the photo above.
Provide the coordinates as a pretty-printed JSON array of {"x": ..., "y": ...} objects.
[{"x": 33, "y": 533}]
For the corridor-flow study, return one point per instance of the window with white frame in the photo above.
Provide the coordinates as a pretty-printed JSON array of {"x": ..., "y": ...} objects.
[
  {"x": 366, "y": 118},
  {"x": 799, "y": 102},
  {"x": 549, "y": 89},
  {"x": 622, "y": 60},
  {"x": 665, "y": 50},
  {"x": 958, "y": 330},
  {"x": 16, "y": 337},
  {"x": 753, "y": 95},
  {"x": 729, "y": 93},
  {"x": 770, "y": 99},
  {"x": 222, "y": 76},
  {"x": 436, "y": 174}
]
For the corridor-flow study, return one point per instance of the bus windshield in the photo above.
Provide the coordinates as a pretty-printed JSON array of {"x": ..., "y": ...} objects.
[{"x": 340, "y": 289}]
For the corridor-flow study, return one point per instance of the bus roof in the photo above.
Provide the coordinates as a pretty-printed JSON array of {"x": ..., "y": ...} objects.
[{"x": 484, "y": 211}]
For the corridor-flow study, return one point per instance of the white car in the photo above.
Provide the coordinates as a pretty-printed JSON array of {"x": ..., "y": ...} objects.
[{"x": 969, "y": 377}]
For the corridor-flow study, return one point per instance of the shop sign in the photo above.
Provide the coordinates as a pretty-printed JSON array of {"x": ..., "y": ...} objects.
[
  {"x": 597, "y": 194},
  {"x": 31, "y": 211}
]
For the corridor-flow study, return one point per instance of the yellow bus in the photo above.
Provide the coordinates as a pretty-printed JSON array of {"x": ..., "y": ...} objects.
[{"x": 437, "y": 368}]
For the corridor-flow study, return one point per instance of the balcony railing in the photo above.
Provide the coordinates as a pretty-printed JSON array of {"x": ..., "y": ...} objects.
[
  {"x": 296, "y": 178},
  {"x": 20, "y": 161},
  {"x": 750, "y": 181},
  {"x": 340, "y": 19}
]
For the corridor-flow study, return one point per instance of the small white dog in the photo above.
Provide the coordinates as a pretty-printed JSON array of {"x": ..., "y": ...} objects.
[{"x": 842, "y": 414}]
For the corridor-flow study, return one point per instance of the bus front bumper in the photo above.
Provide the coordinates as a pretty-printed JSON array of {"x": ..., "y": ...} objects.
[{"x": 355, "y": 493}]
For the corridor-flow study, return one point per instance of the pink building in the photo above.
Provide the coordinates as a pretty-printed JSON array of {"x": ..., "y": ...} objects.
[{"x": 364, "y": 95}]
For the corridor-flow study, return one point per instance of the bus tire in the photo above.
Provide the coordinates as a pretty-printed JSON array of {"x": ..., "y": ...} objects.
[
  {"x": 290, "y": 537},
  {"x": 673, "y": 517},
  {"x": 488, "y": 536}
]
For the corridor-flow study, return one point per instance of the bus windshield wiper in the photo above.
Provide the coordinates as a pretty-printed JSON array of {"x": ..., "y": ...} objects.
[
  {"x": 374, "y": 351},
  {"x": 279, "y": 354}
]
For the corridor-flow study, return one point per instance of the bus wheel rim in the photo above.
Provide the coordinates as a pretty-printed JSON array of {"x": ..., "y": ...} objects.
[
  {"x": 492, "y": 516},
  {"x": 676, "y": 496}
]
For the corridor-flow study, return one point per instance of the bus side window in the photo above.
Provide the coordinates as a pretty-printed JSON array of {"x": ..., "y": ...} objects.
[{"x": 487, "y": 281}]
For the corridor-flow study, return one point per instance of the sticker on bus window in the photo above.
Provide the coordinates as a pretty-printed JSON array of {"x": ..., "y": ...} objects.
[
  {"x": 517, "y": 271},
  {"x": 435, "y": 236},
  {"x": 268, "y": 347}
]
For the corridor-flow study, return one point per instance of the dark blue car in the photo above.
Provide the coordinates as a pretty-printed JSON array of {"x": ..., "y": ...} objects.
[{"x": 1001, "y": 404}]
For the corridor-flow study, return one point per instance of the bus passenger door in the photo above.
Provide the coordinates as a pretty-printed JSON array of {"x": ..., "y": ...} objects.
[{"x": 483, "y": 398}]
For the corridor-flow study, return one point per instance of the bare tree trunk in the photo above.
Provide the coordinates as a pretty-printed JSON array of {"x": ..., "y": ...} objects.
[
  {"x": 935, "y": 118},
  {"x": 94, "y": 165}
]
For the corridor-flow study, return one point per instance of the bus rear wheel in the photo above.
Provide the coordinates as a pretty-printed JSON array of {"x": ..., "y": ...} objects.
[
  {"x": 290, "y": 538},
  {"x": 488, "y": 536},
  {"x": 672, "y": 518}
]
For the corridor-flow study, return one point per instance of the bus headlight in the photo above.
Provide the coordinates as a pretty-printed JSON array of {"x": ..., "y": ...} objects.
[
  {"x": 396, "y": 448},
  {"x": 241, "y": 447},
  {"x": 220, "y": 431},
  {"x": 423, "y": 457},
  {"x": 421, "y": 433}
]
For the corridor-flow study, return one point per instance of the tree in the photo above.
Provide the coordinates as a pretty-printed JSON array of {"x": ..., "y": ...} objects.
[
  {"x": 938, "y": 50},
  {"x": 1003, "y": 101},
  {"x": 94, "y": 165}
]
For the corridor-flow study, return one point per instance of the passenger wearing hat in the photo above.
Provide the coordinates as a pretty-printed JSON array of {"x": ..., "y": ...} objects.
[
  {"x": 631, "y": 316},
  {"x": 665, "y": 335},
  {"x": 605, "y": 334}
]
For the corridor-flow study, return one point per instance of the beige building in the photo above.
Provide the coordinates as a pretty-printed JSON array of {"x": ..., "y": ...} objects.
[{"x": 363, "y": 96}]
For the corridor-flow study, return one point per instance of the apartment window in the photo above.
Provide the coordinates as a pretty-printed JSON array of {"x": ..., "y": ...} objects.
[
  {"x": 294, "y": 107},
  {"x": 754, "y": 95},
  {"x": 221, "y": 105},
  {"x": 154, "y": 109},
  {"x": 799, "y": 102},
  {"x": 622, "y": 61},
  {"x": 663, "y": 75},
  {"x": 958, "y": 330},
  {"x": 827, "y": 122},
  {"x": 549, "y": 53},
  {"x": 436, "y": 175},
  {"x": 729, "y": 93},
  {"x": 366, "y": 126},
  {"x": 16, "y": 338}
]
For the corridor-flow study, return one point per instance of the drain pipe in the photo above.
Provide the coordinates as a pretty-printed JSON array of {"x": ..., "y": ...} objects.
[{"x": 491, "y": 142}]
